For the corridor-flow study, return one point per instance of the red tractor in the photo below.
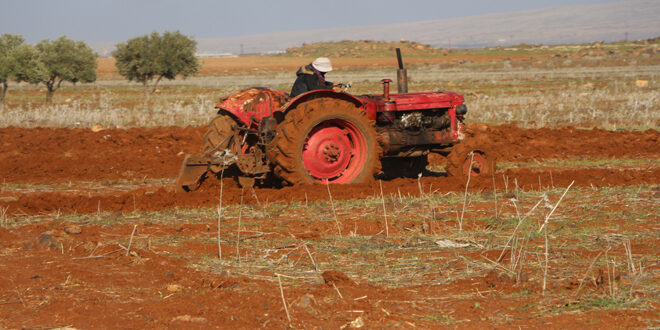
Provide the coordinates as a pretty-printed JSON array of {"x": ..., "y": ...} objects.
[{"x": 333, "y": 137}]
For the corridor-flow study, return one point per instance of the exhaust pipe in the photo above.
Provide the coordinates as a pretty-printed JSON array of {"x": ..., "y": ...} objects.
[{"x": 401, "y": 74}]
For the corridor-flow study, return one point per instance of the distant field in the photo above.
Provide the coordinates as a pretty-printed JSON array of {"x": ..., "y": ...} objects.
[
  {"x": 270, "y": 64},
  {"x": 533, "y": 86}
]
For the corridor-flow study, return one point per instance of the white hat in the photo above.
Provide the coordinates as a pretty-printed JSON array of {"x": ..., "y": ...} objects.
[{"x": 322, "y": 64}]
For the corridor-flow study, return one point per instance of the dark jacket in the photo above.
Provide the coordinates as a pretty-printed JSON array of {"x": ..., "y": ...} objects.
[{"x": 309, "y": 79}]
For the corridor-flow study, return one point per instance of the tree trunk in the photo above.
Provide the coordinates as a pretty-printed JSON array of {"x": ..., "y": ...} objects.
[
  {"x": 49, "y": 93},
  {"x": 3, "y": 93},
  {"x": 146, "y": 93},
  {"x": 156, "y": 84},
  {"x": 49, "y": 96},
  {"x": 50, "y": 86}
]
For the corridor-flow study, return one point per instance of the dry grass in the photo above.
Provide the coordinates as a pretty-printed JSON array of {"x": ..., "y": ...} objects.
[{"x": 497, "y": 91}]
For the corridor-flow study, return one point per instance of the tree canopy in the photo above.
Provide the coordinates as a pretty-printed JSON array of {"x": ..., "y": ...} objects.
[
  {"x": 154, "y": 56},
  {"x": 65, "y": 60},
  {"x": 27, "y": 65},
  {"x": 8, "y": 45}
]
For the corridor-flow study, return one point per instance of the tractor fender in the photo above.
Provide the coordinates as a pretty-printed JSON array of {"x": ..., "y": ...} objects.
[
  {"x": 250, "y": 106},
  {"x": 319, "y": 93}
]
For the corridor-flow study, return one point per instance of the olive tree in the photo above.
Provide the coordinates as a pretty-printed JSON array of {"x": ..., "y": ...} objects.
[
  {"x": 8, "y": 45},
  {"x": 150, "y": 58},
  {"x": 27, "y": 65},
  {"x": 65, "y": 60}
]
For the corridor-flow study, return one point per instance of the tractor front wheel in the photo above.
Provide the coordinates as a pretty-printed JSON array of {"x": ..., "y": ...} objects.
[
  {"x": 325, "y": 140},
  {"x": 470, "y": 159}
]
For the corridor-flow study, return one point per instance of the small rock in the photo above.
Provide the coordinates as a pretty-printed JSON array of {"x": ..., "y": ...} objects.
[
  {"x": 357, "y": 323},
  {"x": 174, "y": 288},
  {"x": 97, "y": 128},
  {"x": 72, "y": 228},
  {"x": 188, "y": 318},
  {"x": 445, "y": 243},
  {"x": 641, "y": 83},
  {"x": 307, "y": 303},
  {"x": 46, "y": 239}
]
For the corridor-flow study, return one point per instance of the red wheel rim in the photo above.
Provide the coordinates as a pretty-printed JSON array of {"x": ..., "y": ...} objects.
[
  {"x": 336, "y": 151},
  {"x": 479, "y": 164}
]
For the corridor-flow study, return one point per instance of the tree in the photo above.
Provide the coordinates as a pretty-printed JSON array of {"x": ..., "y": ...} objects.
[
  {"x": 8, "y": 44},
  {"x": 27, "y": 65},
  {"x": 152, "y": 56},
  {"x": 65, "y": 60}
]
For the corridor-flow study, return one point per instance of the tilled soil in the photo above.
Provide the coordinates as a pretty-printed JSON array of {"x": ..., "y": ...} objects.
[
  {"x": 46, "y": 155},
  {"x": 59, "y": 274},
  {"x": 63, "y": 155}
]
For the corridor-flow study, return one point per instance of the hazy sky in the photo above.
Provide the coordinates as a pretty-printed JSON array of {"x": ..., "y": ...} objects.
[{"x": 119, "y": 20}]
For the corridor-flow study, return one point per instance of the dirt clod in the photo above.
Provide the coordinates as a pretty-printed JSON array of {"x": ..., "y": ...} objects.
[
  {"x": 174, "y": 288},
  {"x": 335, "y": 277},
  {"x": 46, "y": 239},
  {"x": 307, "y": 303},
  {"x": 71, "y": 228}
]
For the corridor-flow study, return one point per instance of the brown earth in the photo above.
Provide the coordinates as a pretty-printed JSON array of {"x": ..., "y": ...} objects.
[
  {"x": 168, "y": 197},
  {"x": 54, "y": 277},
  {"x": 58, "y": 274},
  {"x": 63, "y": 154},
  {"x": 46, "y": 155}
]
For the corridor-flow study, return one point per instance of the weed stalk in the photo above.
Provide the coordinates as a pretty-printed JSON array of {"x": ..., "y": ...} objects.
[
  {"x": 222, "y": 173},
  {"x": 460, "y": 223},
  {"x": 332, "y": 205},
  {"x": 382, "y": 198},
  {"x": 238, "y": 229}
]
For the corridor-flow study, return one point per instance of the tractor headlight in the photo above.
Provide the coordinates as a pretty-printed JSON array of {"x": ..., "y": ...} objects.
[{"x": 461, "y": 109}]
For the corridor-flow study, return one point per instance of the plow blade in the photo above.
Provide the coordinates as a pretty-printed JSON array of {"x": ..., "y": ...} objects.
[{"x": 192, "y": 173}]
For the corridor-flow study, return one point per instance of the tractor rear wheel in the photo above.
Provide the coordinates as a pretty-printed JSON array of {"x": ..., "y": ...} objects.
[
  {"x": 470, "y": 158},
  {"x": 325, "y": 140},
  {"x": 220, "y": 136}
]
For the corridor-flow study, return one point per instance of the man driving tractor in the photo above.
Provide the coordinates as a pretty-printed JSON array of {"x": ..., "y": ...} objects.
[{"x": 312, "y": 77}]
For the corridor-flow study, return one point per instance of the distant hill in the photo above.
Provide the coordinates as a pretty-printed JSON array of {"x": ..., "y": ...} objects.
[
  {"x": 632, "y": 19},
  {"x": 362, "y": 49}
]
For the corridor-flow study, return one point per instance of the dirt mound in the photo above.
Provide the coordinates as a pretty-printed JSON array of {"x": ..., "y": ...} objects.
[
  {"x": 512, "y": 143},
  {"x": 169, "y": 198},
  {"x": 335, "y": 277},
  {"x": 62, "y": 155}
]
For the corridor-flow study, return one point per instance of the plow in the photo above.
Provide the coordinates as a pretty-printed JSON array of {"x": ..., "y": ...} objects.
[{"x": 263, "y": 135}]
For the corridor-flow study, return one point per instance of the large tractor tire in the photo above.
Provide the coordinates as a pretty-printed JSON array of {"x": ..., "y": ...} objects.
[
  {"x": 469, "y": 158},
  {"x": 220, "y": 136},
  {"x": 404, "y": 167},
  {"x": 325, "y": 140}
]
